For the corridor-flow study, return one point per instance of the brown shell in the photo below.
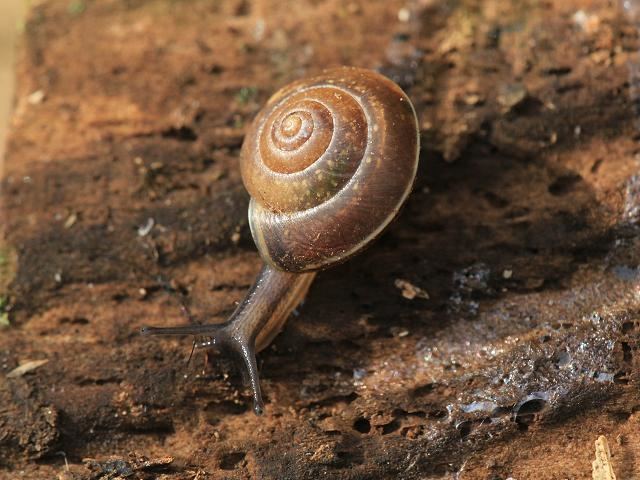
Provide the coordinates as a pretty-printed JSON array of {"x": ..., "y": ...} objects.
[{"x": 328, "y": 163}]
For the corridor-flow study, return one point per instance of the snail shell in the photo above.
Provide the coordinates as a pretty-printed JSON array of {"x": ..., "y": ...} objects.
[{"x": 328, "y": 163}]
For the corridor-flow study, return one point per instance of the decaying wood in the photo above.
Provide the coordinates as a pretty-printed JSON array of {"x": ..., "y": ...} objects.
[{"x": 121, "y": 199}]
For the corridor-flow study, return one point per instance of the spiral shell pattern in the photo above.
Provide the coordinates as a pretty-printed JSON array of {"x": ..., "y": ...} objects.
[{"x": 328, "y": 163}]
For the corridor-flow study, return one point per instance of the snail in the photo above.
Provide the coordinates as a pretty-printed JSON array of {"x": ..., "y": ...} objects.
[{"x": 328, "y": 163}]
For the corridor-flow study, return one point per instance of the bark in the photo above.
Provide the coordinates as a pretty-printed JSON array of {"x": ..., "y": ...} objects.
[{"x": 121, "y": 200}]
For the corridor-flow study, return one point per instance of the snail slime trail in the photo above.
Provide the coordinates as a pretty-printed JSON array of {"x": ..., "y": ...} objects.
[{"x": 328, "y": 163}]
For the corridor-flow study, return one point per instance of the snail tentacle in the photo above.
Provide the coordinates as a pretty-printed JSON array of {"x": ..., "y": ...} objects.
[
  {"x": 225, "y": 337},
  {"x": 253, "y": 324}
]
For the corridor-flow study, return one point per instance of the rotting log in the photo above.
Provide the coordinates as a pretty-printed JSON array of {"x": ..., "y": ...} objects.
[{"x": 121, "y": 199}]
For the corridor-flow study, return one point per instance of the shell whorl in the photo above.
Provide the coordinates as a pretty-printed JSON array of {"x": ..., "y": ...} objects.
[{"x": 328, "y": 163}]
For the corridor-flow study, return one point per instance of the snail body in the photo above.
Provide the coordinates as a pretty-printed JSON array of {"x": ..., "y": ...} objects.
[{"x": 328, "y": 163}]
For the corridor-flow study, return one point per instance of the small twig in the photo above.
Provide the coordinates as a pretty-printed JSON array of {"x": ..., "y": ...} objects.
[
  {"x": 66, "y": 463},
  {"x": 601, "y": 466},
  {"x": 184, "y": 309}
]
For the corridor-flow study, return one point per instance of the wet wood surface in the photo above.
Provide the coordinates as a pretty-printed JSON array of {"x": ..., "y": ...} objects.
[{"x": 492, "y": 332}]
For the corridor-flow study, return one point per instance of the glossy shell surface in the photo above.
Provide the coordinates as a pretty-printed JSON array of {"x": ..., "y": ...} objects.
[{"x": 328, "y": 163}]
